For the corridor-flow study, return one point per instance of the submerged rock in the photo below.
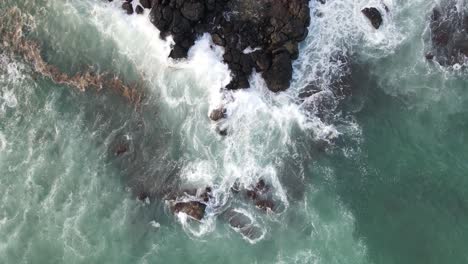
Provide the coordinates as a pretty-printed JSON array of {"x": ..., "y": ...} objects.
[
  {"x": 237, "y": 219},
  {"x": 13, "y": 42},
  {"x": 374, "y": 15},
  {"x": 121, "y": 149},
  {"x": 273, "y": 28},
  {"x": 243, "y": 224},
  {"x": 449, "y": 33}
]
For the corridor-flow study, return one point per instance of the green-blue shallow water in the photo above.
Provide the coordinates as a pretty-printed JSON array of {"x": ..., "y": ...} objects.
[{"x": 390, "y": 186}]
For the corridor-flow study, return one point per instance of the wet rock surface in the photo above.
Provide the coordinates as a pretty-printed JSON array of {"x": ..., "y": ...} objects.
[
  {"x": 449, "y": 33},
  {"x": 191, "y": 201},
  {"x": 218, "y": 114},
  {"x": 194, "y": 209},
  {"x": 256, "y": 34},
  {"x": 374, "y": 15},
  {"x": 261, "y": 196}
]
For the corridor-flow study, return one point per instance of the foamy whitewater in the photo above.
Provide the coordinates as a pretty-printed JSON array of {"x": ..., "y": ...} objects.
[{"x": 367, "y": 169}]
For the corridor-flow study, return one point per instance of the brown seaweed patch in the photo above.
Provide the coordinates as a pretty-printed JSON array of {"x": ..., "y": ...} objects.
[{"x": 13, "y": 42}]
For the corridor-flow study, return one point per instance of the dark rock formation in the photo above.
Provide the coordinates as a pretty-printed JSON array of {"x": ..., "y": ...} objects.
[
  {"x": 280, "y": 72},
  {"x": 265, "y": 204},
  {"x": 127, "y": 6},
  {"x": 194, "y": 209},
  {"x": 260, "y": 34},
  {"x": 139, "y": 9},
  {"x": 218, "y": 114},
  {"x": 261, "y": 196},
  {"x": 121, "y": 149},
  {"x": 373, "y": 14},
  {"x": 196, "y": 205},
  {"x": 449, "y": 33},
  {"x": 142, "y": 196}
]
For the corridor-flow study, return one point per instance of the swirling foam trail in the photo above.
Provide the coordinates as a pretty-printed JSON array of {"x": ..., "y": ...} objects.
[{"x": 259, "y": 123}]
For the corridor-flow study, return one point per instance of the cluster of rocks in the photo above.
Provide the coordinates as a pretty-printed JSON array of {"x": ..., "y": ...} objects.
[
  {"x": 256, "y": 34},
  {"x": 260, "y": 195},
  {"x": 193, "y": 202},
  {"x": 449, "y": 33}
]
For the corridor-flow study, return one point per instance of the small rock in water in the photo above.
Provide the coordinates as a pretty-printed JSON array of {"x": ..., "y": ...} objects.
[
  {"x": 265, "y": 205},
  {"x": 235, "y": 188},
  {"x": 373, "y": 14},
  {"x": 251, "y": 194},
  {"x": 261, "y": 186},
  {"x": 121, "y": 149},
  {"x": 429, "y": 56},
  {"x": 127, "y": 6},
  {"x": 139, "y": 9},
  {"x": 218, "y": 114},
  {"x": 222, "y": 131},
  {"x": 206, "y": 195},
  {"x": 194, "y": 209},
  {"x": 143, "y": 196}
]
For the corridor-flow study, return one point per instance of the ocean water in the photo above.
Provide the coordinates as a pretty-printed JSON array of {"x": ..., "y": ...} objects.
[{"x": 374, "y": 176}]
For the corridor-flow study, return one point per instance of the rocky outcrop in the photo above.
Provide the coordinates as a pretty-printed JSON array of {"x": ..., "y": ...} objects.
[
  {"x": 192, "y": 201},
  {"x": 218, "y": 114},
  {"x": 194, "y": 209},
  {"x": 256, "y": 34},
  {"x": 449, "y": 34},
  {"x": 374, "y": 15},
  {"x": 260, "y": 195}
]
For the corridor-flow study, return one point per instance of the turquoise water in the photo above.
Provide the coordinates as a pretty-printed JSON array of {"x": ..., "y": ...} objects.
[{"x": 388, "y": 187}]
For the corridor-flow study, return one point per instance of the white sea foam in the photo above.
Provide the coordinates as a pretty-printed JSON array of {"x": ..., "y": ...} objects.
[
  {"x": 259, "y": 122},
  {"x": 3, "y": 142},
  {"x": 11, "y": 76},
  {"x": 155, "y": 224}
]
